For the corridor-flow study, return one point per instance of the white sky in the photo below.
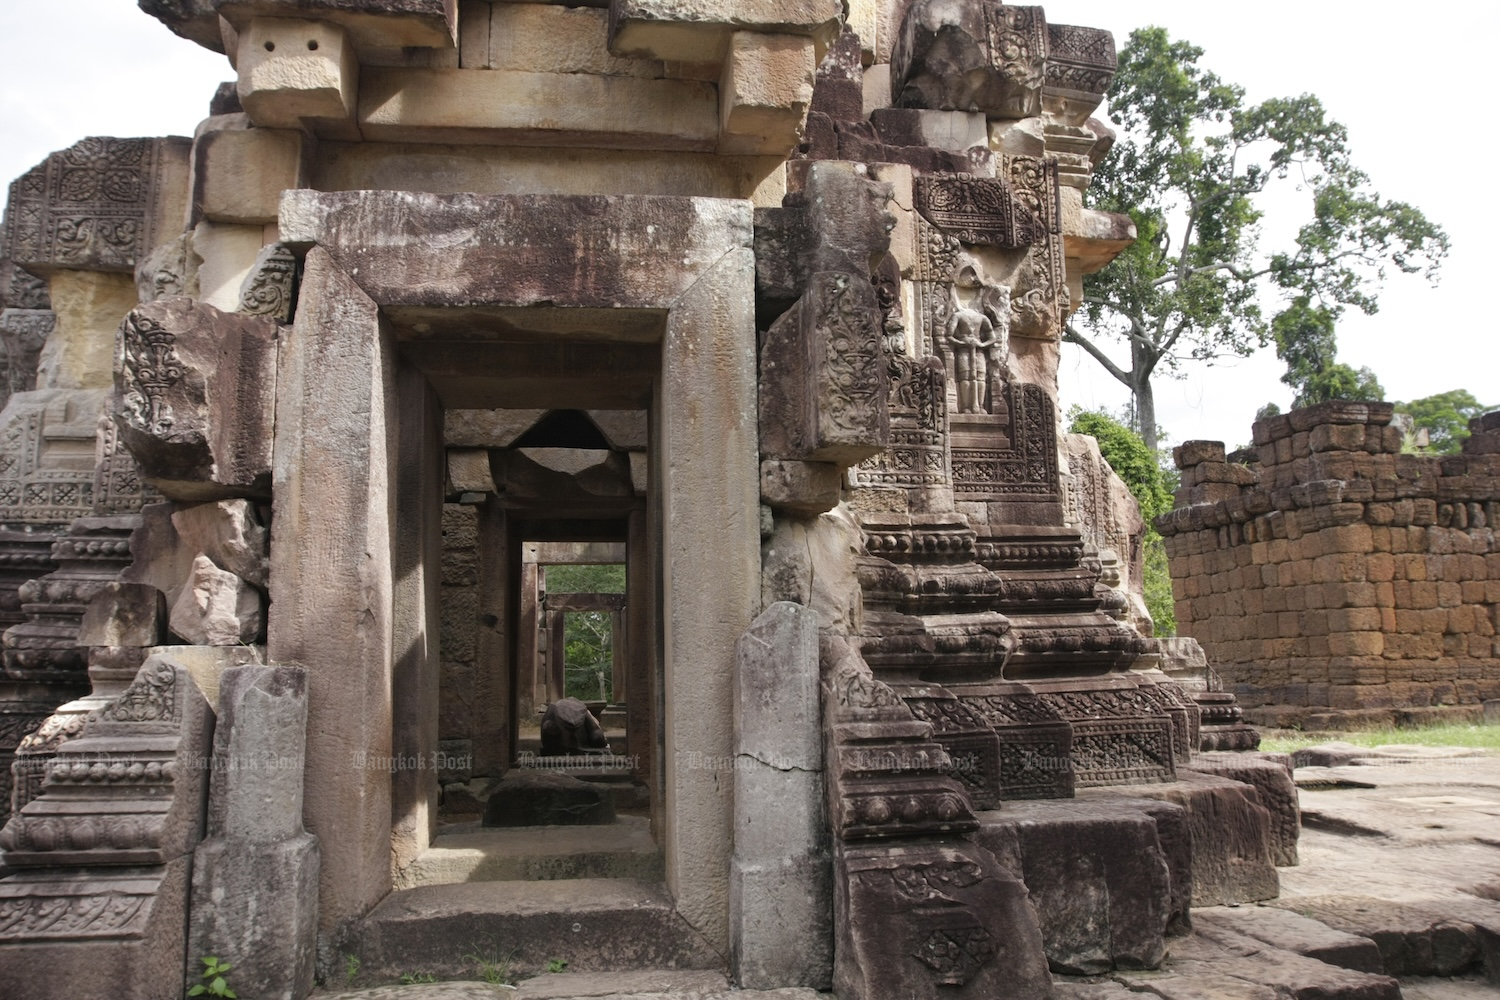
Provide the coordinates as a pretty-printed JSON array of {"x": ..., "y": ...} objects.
[{"x": 1412, "y": 88}]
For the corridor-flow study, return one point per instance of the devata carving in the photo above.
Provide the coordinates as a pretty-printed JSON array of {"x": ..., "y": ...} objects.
[{"x": 149, "y": 367}]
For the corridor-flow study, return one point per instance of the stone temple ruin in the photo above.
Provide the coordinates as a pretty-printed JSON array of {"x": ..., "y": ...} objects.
[
  {"x": 759, "y": 303},
  {"x": 1336, "y": 581}
]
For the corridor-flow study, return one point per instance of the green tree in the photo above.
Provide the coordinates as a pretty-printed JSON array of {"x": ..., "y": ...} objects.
[
  {"x": 1446, "y": 417},
  {"x": 1190, "y": 165},
  {"x": 1305, "y": 341},
  {"x": 1152, "y": 487},
  {"x": 588, "y": 636}
]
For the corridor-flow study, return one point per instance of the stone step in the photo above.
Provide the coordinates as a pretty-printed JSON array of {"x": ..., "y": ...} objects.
[
  {"x": 513, "y": 929},
  {"x": 469, "y": 852},
  {"x": 646, "y": 984}
]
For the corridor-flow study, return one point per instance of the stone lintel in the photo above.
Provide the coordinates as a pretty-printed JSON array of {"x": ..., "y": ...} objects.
[
  {"x": 634, "y": 252},
  {"x": 514, "y": 107}
]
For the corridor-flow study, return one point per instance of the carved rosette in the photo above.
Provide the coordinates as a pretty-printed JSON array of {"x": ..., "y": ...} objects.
[{"x": 89, "y": 207}]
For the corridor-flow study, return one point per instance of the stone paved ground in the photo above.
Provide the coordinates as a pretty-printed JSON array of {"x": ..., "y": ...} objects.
[{"x": 1400, "y": 846}]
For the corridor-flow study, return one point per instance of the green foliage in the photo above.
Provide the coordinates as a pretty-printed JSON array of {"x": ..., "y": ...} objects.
[
  {"x": 1451, "y": 734},
  {"x": 351, "y": 968},
  {"x": 1305, "y": 340},
  {"x": 1446, "y": 417},
  {"x": 215, "y": 985},
  {"x": 1191, "y": 162},
  {"x": 1156, "y": 576},
  {"x": 413, "y": 978},
  {"x": 1128, "y": 455},
  {"x": 588, "y": 636},
  {"x": 494, "y": 967},
  {"x": 556, "y": 964}
]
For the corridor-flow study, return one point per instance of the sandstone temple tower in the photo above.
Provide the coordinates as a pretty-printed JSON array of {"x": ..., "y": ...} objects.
[{"x": 758, "y": 302}]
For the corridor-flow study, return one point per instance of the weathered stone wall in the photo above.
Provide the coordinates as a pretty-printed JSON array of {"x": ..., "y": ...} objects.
[{"x": 1337, "y": 579}]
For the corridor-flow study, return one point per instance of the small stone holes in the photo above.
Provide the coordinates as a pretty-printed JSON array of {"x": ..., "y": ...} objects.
[
  {"x": 270, "y": 46},
  {"x": 312, "y": 45}
]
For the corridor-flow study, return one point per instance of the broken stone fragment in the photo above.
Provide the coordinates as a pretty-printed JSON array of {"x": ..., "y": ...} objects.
[
  {"x": 123, "y": 614},
  {"x": 968, "y": 55},
  {"x": 230, "y": 534},
  {"x": 823, "y": 376},
  {"x": 195, "y": 390},
  {"x": 216, "y": 608}
]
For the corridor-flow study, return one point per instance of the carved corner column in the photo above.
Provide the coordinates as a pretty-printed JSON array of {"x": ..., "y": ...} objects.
[
  {"x": 101, "y": 857},
  {"x": 920, "y": 912}
]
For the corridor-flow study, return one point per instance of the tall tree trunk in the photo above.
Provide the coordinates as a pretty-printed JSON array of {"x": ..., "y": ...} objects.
[{"x": 1142, "y": 363}]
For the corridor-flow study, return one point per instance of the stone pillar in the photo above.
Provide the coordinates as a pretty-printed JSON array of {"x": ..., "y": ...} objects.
[
  {"x": 710, "y": 488},
  {"x": 530, "y": 681},
  {"x": 255, "y": 879},
  {"x": 781, "y": 878},
  {"x": 415, "y": 629},
  {"x": 619, "y": 657},
  {"x": 640, "y": 630},
  {"x": 332, "y": 527},
  {"x": 557, "y": 674}
]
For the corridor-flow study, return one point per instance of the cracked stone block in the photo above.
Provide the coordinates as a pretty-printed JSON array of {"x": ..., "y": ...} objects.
[{"x": 216, "y": 608}]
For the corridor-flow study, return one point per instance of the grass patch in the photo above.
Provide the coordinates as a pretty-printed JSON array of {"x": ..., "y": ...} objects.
[{"x": 1485, "y": 737}]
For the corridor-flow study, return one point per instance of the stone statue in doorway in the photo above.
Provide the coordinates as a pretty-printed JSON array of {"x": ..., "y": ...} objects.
[{"x": 568, "y": 727}]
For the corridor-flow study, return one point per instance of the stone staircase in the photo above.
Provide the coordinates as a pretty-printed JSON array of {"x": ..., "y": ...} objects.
[{"x": 502, "y": 902}]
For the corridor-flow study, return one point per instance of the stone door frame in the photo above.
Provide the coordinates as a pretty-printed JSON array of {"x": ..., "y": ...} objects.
[{"x": 358, "y": 490}]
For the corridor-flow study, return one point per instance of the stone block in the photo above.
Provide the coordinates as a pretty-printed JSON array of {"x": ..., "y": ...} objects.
[
  {"x": 1191, "y": 453},
  {"x": 764, "y": 93},
  {"x": 229, "y": 532},
  {"x": 226, "y": 258},
  {"x": 469, "y": 470},
  {"x": 944, "y": 58},
  {"x": 955, "y": 131},
  {"x": 256, "y": 905},
  {"x": 196, "y": 390},
  {"x": 822, "y": 376},
  {"x": 258, "y": 860},
  {"x": 501, "y": 107},
  {"x": 800, "y": 488},
  {"x": 109, "y": 932},
  {"x": 697, "y": 31},
  {"x": 781, "y": 923},
  {"x": 377, "y": 27},
  {"x": 547, "y": 38},
  {"x": 123, "y": 614},
  {"x": 103, "y": 204},
  {"x": 239, "y": 174},
  {"x": 1278, "y": 794},
  {"x": 1230, "y": 834},
  {"x": 291, "y": 69},
  {"x": 1291, "y": 931},
  {"x": 87, "y": 304},
  {"x": 983, "y": 941},
  {"x": 1097, "y": 875},
  {"x": 216, "y": 608}
]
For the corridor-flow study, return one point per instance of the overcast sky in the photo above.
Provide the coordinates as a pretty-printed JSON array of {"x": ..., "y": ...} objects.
[{"x": 1411, "y": 88}]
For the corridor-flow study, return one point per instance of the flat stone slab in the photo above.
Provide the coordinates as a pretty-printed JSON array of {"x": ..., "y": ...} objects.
[
  {"x": 471, "y": 853},
  {"x": 1337, "y": 753},
  {"x": 593, "y": 924},
  {"x": 1232, "y": 966},
  {"x": 1413, "y": 941},
  {"x": 566, "y": 985},
  {"x": 1292, "y": 931}
]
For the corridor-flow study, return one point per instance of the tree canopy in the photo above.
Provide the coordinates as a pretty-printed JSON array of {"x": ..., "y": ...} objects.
[
  {"x": 1445, "y": 416},
  {"x": 1189, "y": 167}
]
